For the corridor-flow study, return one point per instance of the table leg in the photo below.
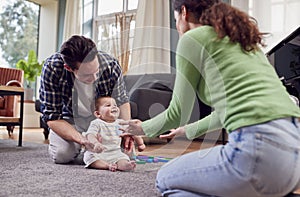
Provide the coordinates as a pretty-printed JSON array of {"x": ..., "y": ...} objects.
[{"x": 21, "y": 120}]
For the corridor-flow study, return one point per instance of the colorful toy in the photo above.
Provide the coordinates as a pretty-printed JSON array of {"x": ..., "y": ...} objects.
[{"x": 142, "y": 159}]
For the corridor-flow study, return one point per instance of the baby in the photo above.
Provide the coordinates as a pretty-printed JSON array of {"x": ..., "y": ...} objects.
[{"x": 104, "y": 132}]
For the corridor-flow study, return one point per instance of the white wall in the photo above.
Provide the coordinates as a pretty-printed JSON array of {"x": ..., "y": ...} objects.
[
  {"x": 48, "y": 29},
  {"x": 278, "y": 17}
]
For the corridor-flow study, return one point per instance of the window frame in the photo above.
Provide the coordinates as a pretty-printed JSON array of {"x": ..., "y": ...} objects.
[
  {"x": 110, "y": 19},
  {"x": 98, "y": 19}
]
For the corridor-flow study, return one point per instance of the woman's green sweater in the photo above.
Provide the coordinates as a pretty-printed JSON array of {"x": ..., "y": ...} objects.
[{"x": 242, "y": 87}]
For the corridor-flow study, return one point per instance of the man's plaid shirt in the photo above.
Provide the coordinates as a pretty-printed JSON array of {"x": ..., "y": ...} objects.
[{"x": 57, "y": 85}]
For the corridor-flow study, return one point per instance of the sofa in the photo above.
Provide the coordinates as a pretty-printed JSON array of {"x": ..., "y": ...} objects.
[{"x": 149, "y": 95}]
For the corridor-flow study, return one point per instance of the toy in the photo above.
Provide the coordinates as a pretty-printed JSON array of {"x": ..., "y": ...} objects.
[{"x": 142, "y": 159}]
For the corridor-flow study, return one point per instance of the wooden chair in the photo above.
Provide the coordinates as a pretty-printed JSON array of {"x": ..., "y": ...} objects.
[{"x": 8, "y": 104}]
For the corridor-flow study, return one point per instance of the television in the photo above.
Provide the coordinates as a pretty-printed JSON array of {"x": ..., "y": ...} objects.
[{"x": 285, "y": 57}]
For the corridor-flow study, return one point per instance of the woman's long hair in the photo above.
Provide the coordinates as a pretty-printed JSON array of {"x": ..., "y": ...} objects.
[
  {"x": 226, "y": 20},
  {"x": 237, "y": 25}
]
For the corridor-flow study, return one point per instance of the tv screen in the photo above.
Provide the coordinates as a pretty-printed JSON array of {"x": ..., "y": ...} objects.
[{"x": 285, "y": 57}]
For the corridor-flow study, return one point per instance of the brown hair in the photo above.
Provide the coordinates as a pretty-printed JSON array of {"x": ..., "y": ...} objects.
[
  {"x": 78, "y": 49},
  {"x": 194, "y": 6},
  {"x": 98, "y": 101},
  {"x": 226, "y": 21}
]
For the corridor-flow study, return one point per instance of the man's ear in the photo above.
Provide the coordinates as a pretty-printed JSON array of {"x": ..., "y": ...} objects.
[{"x": 68, "y": 68}]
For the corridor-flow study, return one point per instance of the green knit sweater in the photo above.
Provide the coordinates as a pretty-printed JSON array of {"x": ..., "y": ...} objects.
[{"x": 242, "y": 87}]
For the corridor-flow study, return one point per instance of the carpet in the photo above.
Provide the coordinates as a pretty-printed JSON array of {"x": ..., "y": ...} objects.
[{"x": 28, "y": 171}]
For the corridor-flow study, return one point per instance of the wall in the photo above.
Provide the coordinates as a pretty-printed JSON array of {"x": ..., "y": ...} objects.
[
  {"x": 279, "y": 18},
  {"x": 48, "y": 29}
]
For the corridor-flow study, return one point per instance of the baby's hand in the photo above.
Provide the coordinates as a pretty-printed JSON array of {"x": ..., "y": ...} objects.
[{"x": 98, "y": 148}]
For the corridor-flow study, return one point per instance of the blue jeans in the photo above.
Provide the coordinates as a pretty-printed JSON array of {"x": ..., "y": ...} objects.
[
  {"x": 258, "y": 160},
  {"x": 62, "y": 151}
]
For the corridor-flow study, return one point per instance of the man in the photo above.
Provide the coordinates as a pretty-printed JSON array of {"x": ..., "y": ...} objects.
[{"x": 70, "y": 81}]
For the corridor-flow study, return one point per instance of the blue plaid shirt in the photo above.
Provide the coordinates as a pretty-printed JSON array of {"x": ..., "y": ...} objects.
[{"x": 57, "y": 85}]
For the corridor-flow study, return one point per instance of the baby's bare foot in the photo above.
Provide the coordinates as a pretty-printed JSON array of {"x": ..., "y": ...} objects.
[
  {"x": 127, "y": 166},
  {"x": 113, "y": 167}
]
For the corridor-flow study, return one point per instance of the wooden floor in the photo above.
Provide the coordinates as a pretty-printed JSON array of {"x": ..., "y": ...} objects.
[{"x": 154, "y": 147}]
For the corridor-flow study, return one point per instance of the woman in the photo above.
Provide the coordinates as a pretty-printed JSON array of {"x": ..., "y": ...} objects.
[{"x": 219, "y": 59}]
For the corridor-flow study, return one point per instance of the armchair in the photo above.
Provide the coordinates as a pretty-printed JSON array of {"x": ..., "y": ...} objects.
[{"x": 8, "y": 104}]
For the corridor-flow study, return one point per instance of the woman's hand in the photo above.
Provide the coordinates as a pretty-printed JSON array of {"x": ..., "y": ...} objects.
[
  {"x": 173, "y": 133},
  {"x": 133, "y": 127}
]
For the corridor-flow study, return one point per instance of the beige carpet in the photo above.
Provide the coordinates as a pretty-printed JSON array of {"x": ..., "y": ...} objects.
[{"x": 28, "y": 171}]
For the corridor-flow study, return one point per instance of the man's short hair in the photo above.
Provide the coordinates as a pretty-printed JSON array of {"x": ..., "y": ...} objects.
[{"x": 78, "y": 49}]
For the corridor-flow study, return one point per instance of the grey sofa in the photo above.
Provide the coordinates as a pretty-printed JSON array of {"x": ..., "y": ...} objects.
[{"x": 150, "y": 94}]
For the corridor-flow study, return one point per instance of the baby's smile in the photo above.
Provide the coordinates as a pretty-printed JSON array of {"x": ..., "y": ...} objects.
[{"x": 114, "y": 111}]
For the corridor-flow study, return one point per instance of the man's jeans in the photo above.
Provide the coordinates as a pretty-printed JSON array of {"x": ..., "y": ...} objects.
[
  {"x": 62, "y": 151},
  {"x": 258, "y": 160}
]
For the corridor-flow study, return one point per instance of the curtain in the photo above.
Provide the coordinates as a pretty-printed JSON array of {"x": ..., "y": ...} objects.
[
  {"x": 151, "y": 44},
  {"x": 121, "y": 48},
  {"x": 72, "y": 23}
]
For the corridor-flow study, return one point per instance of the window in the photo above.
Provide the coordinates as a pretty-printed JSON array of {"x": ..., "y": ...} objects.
[
  {"x": 278, "y": 17},
  {"x": 114, "y": 28},
  {"x": 18, "y": 30}
]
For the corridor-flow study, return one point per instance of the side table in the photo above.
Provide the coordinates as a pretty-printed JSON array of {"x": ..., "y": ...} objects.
[{"x": 14, "y": 121}]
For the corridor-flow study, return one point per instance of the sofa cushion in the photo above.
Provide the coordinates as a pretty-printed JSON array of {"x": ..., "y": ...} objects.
[
  {"x": 149, "y": 90},
  {"x": 149, "y": 102},
  {"x": 155, "y": 81}
]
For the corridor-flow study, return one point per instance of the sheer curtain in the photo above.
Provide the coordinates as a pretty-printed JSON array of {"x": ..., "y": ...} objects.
[
  {"x": 151, "y": 44},
  {"x": 121, "y": 48},
  {"x": 72, "y": 23}
]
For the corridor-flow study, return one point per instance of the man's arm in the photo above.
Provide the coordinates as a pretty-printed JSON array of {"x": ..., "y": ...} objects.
[
  {"x": 66, "y": 131},
  {"x": 125, "y": 112}
]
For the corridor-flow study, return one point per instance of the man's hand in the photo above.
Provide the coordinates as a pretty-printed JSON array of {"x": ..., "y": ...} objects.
[
  {"x": 98, "y": 148},
  {"x": 133, "y": 128},
  {"x": 93, "y": 144},
  {"x": 127, "y": 143},
  {"x": 87, "y": 144}
]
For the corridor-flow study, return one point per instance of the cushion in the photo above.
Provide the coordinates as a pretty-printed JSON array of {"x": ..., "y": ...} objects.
[{"x": 149, "y": 102}]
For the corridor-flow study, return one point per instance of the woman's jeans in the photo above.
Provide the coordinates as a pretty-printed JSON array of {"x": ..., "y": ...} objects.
[{"x": 258, "y": 160}]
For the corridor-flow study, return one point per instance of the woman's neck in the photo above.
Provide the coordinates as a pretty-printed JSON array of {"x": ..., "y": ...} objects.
[{"x": 194, "y": 25}]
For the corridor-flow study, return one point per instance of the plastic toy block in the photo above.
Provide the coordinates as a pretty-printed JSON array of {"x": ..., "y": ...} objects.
[
  {"x": 142, "y": 159},
  {"x": 149, "y": 160},
  {"x": 162, "y": 159},
  {"x": 139, "y": 161}
]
